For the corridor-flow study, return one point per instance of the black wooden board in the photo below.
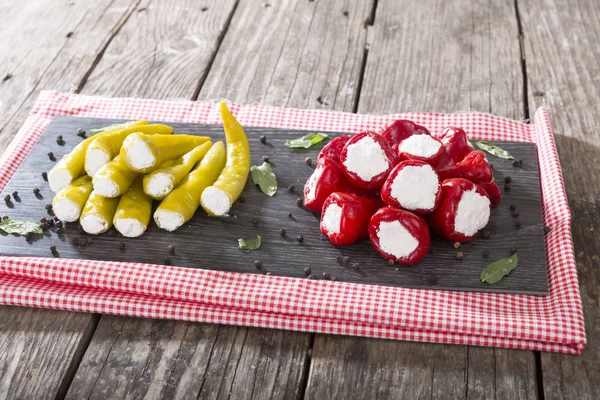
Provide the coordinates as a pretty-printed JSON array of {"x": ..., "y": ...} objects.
[{"x": 211, "y": 243}]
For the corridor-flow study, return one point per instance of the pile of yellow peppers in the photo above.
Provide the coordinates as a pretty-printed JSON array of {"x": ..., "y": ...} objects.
[{"x": 113, "y": 177}]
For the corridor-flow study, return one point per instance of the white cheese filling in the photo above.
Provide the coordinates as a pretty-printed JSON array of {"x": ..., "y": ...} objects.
[
  {"x": 159, "y": 184},
  {"x": 332, "y": 218},
  {"x": 420, "y": 145},
  {"x": 366, "y": 159},
  {"x": 312, "y": 183},
  {"x": 129, "y": 227},
  {"x": 66, "y": 209},
  {"x": 415, "y": 187},
  {"x": 138, "y": 153},
  {"x": 59, "y": 178},
  {"x": 105, "y": 187},
  {"x": 472, "y": 213},
  {"x": 395, "y": 239},
  {"x": 216, "y": 201},
  {"x": 93, "y": 224},
  {"x": 94, "y": 160},
  {"x": 168, "y": 220}
]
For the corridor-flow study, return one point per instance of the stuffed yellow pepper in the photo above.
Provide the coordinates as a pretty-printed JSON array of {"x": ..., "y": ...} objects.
[
  {"x": 133, "y": 211},
  {"x": 72, "y": 165},
  {"x": 161, "y": 182},
  {"x": 106, "y": 146},
  {"x": 145, "y": 153},
  {"x": 69, "y": 201},
  {"x": 218, "y": 198},
  {"x": 114, "y": 178},
  {"x": 181, "y": 204},
  {"x": 98, "y": 212}
]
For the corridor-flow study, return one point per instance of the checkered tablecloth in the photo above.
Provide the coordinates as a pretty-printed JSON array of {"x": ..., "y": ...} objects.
[{"x": 550, "y": 323}]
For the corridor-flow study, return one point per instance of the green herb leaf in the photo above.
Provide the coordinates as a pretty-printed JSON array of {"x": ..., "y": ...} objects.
[
  {"x": 497, "y": 270},
  {"x": 306, "y": 141},
  {"x": 93, "y": 132},
  {"x": 265, "y": 178},
  {"x": 19, "y": 227},
  {"x": 494, "y": 150},
  {"x": 250, "y": 244}
]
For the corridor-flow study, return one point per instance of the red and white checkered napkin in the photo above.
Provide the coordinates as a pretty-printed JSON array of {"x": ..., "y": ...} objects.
[{"x": 551, "y": 323}]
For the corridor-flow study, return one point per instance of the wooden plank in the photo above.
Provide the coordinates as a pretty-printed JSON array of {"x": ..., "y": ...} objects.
[
  {"x": 562, "y": 67},
  {"x": 284, "y": 256},
  {"x": 279, "y": 357},
  {"x": 40, "y": 348},
  {"x": 433, "y": 56}
]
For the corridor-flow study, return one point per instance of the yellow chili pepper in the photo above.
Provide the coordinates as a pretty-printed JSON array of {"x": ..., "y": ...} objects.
[
  {"x": 133, "y": 211},
  {"x": 72, "y": 165},
  {"x": 181, "y": 204},
  {"x": 69, "y": 202},
  {"x": 145, "y": 153},
  {"x": 218, "y": 198},
  {"x": 98, "y": 212},
  {"x": 161, "y": 182},
  {"x": 114, "y": 178},
  {"x": 106, "y": 146}
]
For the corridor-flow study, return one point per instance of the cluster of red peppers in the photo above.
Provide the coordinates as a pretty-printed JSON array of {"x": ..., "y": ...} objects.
[{"x": 361, "y": 208}]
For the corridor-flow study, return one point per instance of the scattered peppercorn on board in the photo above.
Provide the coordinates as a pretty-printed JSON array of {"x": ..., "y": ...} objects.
[{"x": 212, "y": 242}]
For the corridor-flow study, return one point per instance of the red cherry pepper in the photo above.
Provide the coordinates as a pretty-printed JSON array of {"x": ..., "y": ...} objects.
[
  {"x": 456, "y": 144},
  {"x": 473, "y": 167},
  {"x": 407, "y": 240},
  {"x": 356, "y": 163},
  {"x": 433, "y": 159},
  {"x": 345, "y": 217},
  {"x": 402, "y": 190},
  {"x": 334, "y": 148},
  {"x": 493, "y": 192},
  {"x": 400, "y": 129},
  {"x": 476, "y": 215},
  {"x": 325, "y": 179}
]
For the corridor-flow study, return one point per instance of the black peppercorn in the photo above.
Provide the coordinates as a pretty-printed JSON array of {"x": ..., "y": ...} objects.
[
  {"x": 339, "y": 259},
  {"x": 15, "y": 194},
  {"x": 122, "y": 246},
  {"x": 7, "y": 198},
  {"x": 308, "y": 161},
  {"x": 326, "y": 275},
  {"x": 56, "y": 219},
  {"x": 546, "y": 230},
  {"x": 291, "y": 188},
  {"x": 300, "y": 238},
  {"x": 171, "y": 249},
  {"x": 355, "y": 266},
  {"x": 28, "y": 236},
  {"x": 48, "y": 207},
  {"x": 90, "y": 241},
  {"x": 50, "y": 222},
  {"x": 485, "y": 253},
  {"x": 258, "y": 264},
  {"x": 460, "y": 255},
  {"x": 51, "y": 156},
  {"x": 391, "y": 261},
  {"x": 515, "y": 213},
  {"x": 80, "y": 132},
  {"x": 311, "y": 276},
  {"x": 52, "y": 249},
  {"x": 45, "y": 176},
  {"x": 290, "y": 215},
  {"x": 515, "y": 163},
  {"x": 167, "y": 260},
  {"x": 508, "y": 179},
  {"x": 456, "y": 245},
  {"x": 5, "y": 217},
  {"x": 262, "y": 139},
  {"x": 512, "y": 207},
  {"x": 59, "y": 224},
  {"x": 36, "y": 190},
  {"x": 299, "y": 202},
  {"x": 282, "y": 232},
  {"x": 334, "y": 278},
  {"x": 346, "y": 259},
  {"x": 307, "y": 271},
  {"x": 507, "y": 188},
  {"x": 518, "y": 224},
  {"x": 59, "y": 230},
  {"x": 44, "y": 226},
  {"x": 254, "y": 221},
  {"x": 60, "y": 140},
  {"x": 266, "y": 159},
  {"x": 486, "y": 234}
]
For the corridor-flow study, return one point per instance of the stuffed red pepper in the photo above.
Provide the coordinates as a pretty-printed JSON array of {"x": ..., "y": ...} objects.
[
  {"x": 456, "y": 146},
  {"x": 334, "y": 148},
  {"x": 473, "y": 167},
  {"x": 345, "y": 217},
  {"x": 414, "y": 186},
  {"x": 399, "y": 235},
  {"x": 463, "y": 211},
  {"x": 325, "y": 179},
  {"x": 367, "y": 159},
  {"x": 401, "y": 129},
  {"x": 422, "y": 147}
]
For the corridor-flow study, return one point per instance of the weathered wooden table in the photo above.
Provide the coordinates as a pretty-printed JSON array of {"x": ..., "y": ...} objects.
[{"x": 376, "y": 56}]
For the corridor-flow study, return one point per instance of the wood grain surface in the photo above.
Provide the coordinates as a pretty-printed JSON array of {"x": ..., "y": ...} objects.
[{"x": 211, "y": 243}]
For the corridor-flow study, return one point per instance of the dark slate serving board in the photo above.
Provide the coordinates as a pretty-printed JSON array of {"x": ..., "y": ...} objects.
[{"x": 212, "y": 242}]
